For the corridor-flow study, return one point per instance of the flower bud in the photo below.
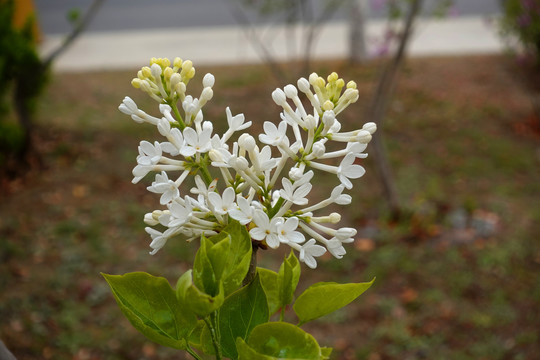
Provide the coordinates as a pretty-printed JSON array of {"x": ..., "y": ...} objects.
[
  {"x": 363, "y": 137},
  {"x": 279, "y": 97},
  {"x": 177, "y": 62},
  {"x": 207, "y": 94},
  {"x": 351, "y": 85},
  {"x": 328, "y": 118},
  {"x": 370, "y": 127},
  {"x": 345, "y": 233},
  {"x": 215, "y": 156},
  {"x": 310, "y": 122},
  {"x": 290, "y": 91},
  {"x": 168, "y": 72},
  {"x": 150, "y": 219},
  {"x": 247, "y": 142},
  {"x": 208, "y": 80},
  {"x": 136, "y": 83},
  {"x": 334, "y": 218},
  {"x": 303, "y": 85},
  {"x": 328, "y": 105},
  {"x": 318, "y": 149},
  {"x": 146, "y": 72},
  {"x": 313, "y": 78},
  {"x": 295, "y": 173},
  {"x": 156, "y": 71}
]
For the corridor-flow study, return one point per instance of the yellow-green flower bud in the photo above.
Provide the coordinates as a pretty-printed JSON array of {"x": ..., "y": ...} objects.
[
  {"x": 136, "y": 83},
  {"x": 328, "y": 105},
  {"x": 351, "y": 85}
]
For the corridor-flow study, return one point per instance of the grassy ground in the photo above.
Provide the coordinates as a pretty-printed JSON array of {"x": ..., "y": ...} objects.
[{"x": 457, "y": 277}]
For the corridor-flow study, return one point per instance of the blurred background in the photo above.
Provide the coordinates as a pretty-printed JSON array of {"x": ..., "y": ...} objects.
[{"x": 447, "y": 213}]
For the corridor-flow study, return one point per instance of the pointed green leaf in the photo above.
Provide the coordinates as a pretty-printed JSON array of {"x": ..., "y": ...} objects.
[
  {"x": 280, "y": 340},
  {"x": 195, "y": 336},
  {"x": 269, "y": 282},
  {"x": 326, "y": 352},
  {"x": 240, "y": 313},
  {"x": 245, "y": 352},
  {"x": 238, "y": 258},
  {"x": 151, "y": 306},
  {"x": 204, "y": 277},
  {"x": 196, "y": 300},
  {"x": 323, "y": 298},
  {"x": 289, "y": 275}
]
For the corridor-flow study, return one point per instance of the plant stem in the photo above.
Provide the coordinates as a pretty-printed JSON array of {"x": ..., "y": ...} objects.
[
  {"x": 211, "y": 326},
  {"x": 193, "y": 353},
  {"x": 178, "y": 116},
  {"x": 252, "y": 265}
]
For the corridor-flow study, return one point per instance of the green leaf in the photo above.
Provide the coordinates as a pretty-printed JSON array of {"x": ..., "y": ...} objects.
[
  {"x": 151, "y": 306},
  {"x": 225, "y": 258},
  {"x": 196, "y": 300},
  {"x": 240, "y": 313},
  {"x": 269, "y": 282},
  {"x": 238, "y": 258},
  {"x": 325, "y": 353},
  {"x": 280, "y": 340},
  {"x": 245, "y": 352},
  {"x": 289, "y": 275},
  {"x": 204, "y": 276},
  {"x": 195, "y": 336},
  {"x": 323, "y": 298}
]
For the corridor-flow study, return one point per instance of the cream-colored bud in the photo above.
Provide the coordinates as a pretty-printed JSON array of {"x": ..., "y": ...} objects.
[
  {"x": 208, "y": 80},
  {"x": 156, "y": 71},
  {"x": 153, "y": 61},
  {"x": 207, "y": 94},
  {"x": 279, "y": 97},
  {"x": 177, "y": 62},
  {"x": 215, "y": 155},
  {"x": 313, "y": 78},
  {"x": 187, "y": 66},
  {"x": 318, "y": 149},
  {"x": 175, "y": 79},
  {"x": 320, "y": 83},
  {"x": 328, "y": 105},
  {"x": 136, "y": 83},
  {"x": 351, "y": 85},
  {"x": 363, "y": 137},
  {"x": 332, "y": 77},
  {"x": 340, "y": 83},
  {"x": 303, "y": 85},
  {"x": 167, "y": 73},
  {"x": 370, "y": 127},
  {"x": 247, "y": 142},
  {"x": 146, "y": 72},
  {"x": 191, "y": 73},
  {"x": 290, "y": 91},
  {"x": 165, "y": 62},
  {"x": 180, "y": 88},
  {"x": 310, "y": 122},
  {"x": 334, "y": 218}
]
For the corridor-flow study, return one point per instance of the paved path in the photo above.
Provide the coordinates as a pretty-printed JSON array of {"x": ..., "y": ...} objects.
[{"x": 229, "y": 45}]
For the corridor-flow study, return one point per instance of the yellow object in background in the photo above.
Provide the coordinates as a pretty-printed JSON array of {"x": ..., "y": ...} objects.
[{"x": 23, "y": 10}]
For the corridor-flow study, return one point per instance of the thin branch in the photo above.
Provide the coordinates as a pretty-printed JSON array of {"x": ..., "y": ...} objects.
[
  {"x": 250, "y": 32},
  {"x": 77, "y": 30}
]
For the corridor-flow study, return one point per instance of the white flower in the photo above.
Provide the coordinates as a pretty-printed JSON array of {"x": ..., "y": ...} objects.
[
  {"x": 296, "y": 195},
  {"x": 179, "y": 214},
  {"x": 309, "y": 251},
  {"x": 335, "y": 248},
  {"x": 273, "y": 135},
  {"x": 338, "y": 197},
  {"x": 196, "y": 142},
  {"x": 201, "y": 187},
  {"x": 347, "y": 170},
  {"x": 222, "y": 205},
  {"x": 287, "y": 231},
  {"x": 244, "y": 213},
  {"x": 266, "y": 229},
  {"x": 149, "y": 154},
  {"x": 236, "y": 123},
  {"x": 158, "y": 239},
  {"x": 162, "y": 185}
]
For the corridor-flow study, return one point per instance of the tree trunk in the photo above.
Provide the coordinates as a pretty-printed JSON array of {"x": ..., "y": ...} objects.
[
  {"x": 357, "y": 31},
  {"x": 379, "y": 106}
]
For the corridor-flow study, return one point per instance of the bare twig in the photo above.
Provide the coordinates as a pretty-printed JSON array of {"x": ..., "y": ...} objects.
[{"x": 77, "y": 30}]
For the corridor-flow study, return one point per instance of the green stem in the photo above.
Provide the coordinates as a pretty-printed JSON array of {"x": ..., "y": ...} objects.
[
  {"x": 193, "y": 353},
  {"x": 203, "y": 166},
  {"x": 178, "y": 116},
  {"x": 273, "y": 211},
  {"x": 211, "y": 326},
  {"x": 282, "y": 314}
]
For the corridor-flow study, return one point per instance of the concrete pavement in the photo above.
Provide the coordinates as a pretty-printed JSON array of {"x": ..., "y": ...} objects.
[{"x": 229, "y": 45}]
